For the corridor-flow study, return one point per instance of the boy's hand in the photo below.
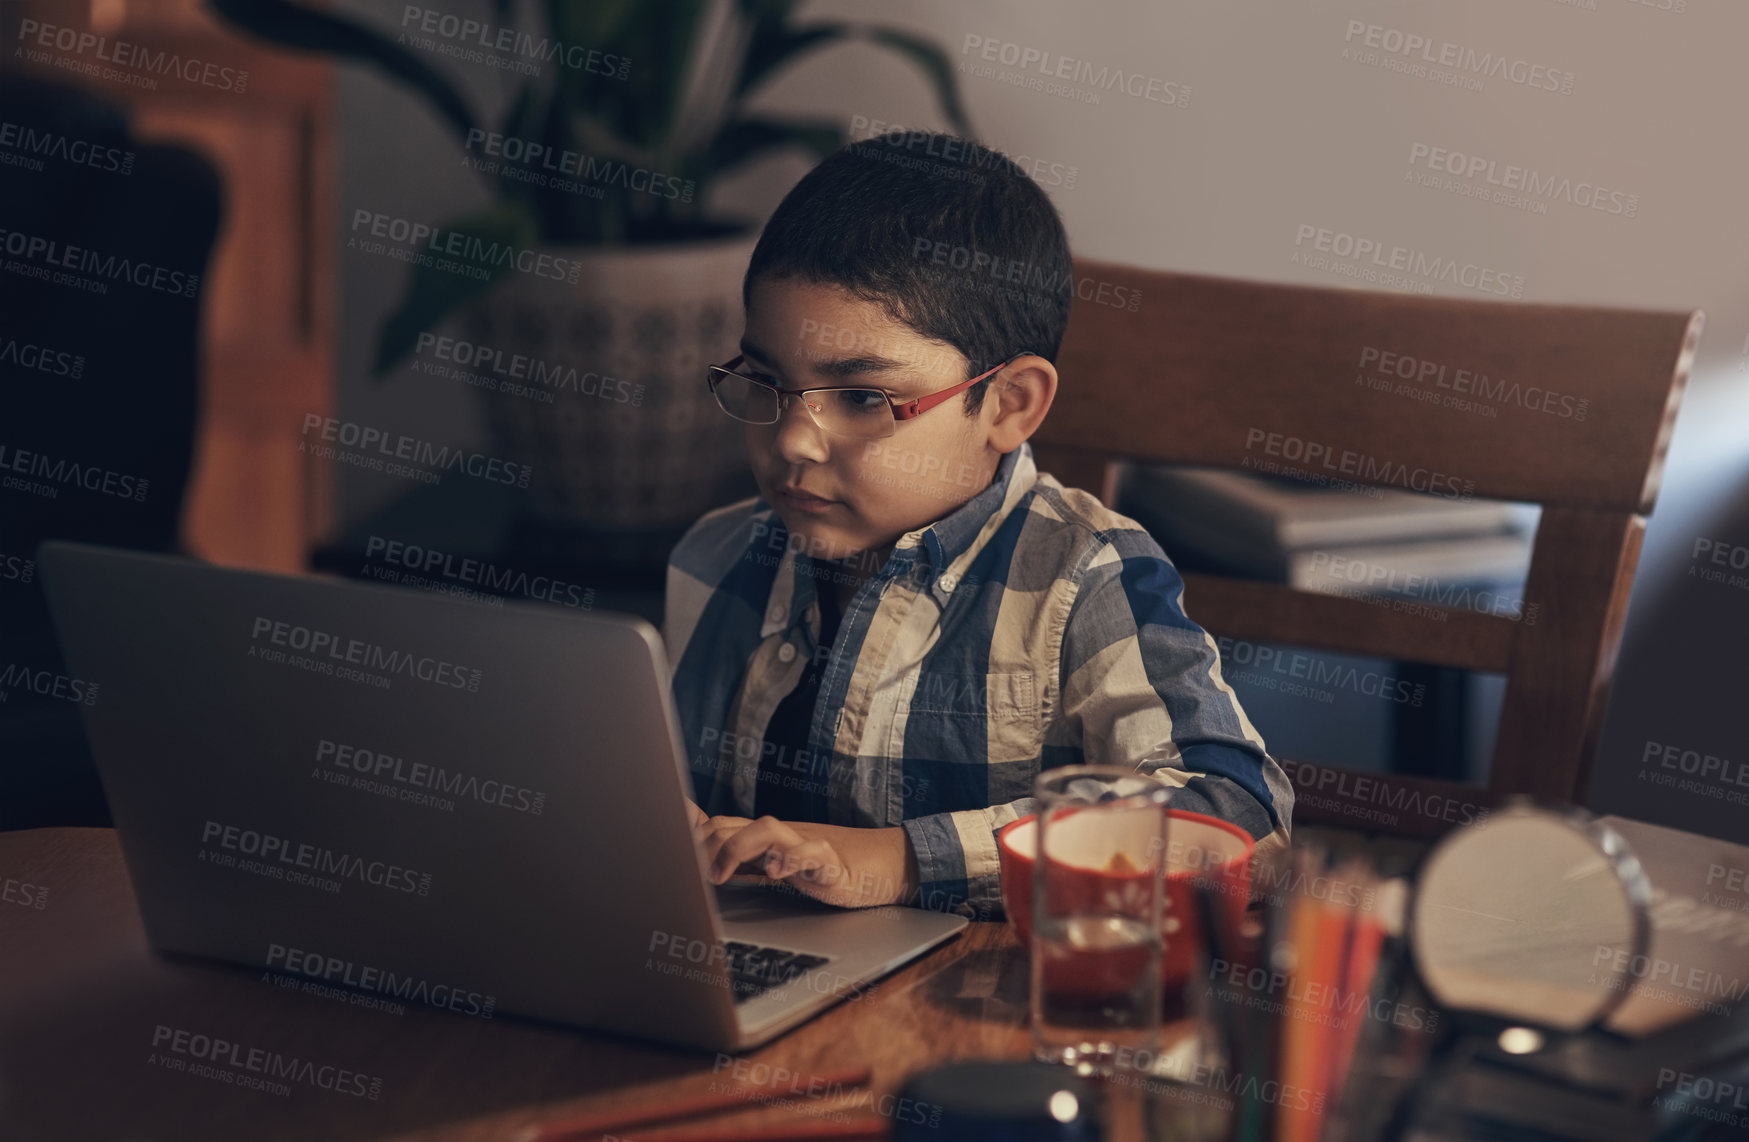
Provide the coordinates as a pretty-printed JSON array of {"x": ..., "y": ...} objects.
[{"x": 847, "y": 867}]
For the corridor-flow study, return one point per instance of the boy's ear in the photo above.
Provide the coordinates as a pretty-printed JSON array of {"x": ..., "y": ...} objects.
[{"x": 1023, "y": 392}]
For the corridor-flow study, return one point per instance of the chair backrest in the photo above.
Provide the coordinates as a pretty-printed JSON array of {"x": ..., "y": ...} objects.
[{"x": 1569, "y": 407}]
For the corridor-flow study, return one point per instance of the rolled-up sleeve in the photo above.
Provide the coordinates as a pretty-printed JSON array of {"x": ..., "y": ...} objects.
[{"x": 958, "y": 869}]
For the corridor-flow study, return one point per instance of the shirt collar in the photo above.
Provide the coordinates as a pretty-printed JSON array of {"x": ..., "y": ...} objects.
[
  {"x": 953, "y": 539},
  {"x": 953, "y": 535}
]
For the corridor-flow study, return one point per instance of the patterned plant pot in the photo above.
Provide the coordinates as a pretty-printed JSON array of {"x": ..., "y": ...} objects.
[{"x": 615, "y": 417}]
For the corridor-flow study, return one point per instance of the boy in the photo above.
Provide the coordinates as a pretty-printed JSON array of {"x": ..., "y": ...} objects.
[{"x": 875, "y": 657}]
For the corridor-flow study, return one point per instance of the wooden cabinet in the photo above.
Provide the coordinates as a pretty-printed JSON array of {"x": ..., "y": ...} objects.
[{"x": 268, "y": 302}]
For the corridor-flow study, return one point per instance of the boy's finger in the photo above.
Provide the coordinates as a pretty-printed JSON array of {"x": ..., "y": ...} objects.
[
  {"x": 781, "y": 863},
  {"x": 829, "y": 873},
  {"x": 749, "y": 844},
  {"x": 812, "y": 861},
  {"x": 712, "y": 836},
  {"x": 701, "y": 823}
]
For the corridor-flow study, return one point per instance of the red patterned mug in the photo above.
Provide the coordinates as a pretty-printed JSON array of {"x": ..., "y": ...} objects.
[{"x": 1197, "y": 845}]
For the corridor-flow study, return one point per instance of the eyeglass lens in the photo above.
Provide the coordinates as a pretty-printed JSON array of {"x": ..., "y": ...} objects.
[{"x": 844, "y": 412}]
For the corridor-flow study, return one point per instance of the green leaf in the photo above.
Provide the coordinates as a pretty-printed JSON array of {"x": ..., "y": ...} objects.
[
  {"x": 593, "y": 25},
  {"x": 600, "y": 139},
  {"x": 433, "y": 294},
  {"x": 746, "y": 138},
  {"x": 774, "y": 11},
  {"x": 773, "y": 46},
  {"x": 935, "y": 65},
  {"x": 520, "y": 122},
  {"x": 291, "y": 26},
  {"x": 520, "y": 117},
  {"x": 655, "y": 36}
]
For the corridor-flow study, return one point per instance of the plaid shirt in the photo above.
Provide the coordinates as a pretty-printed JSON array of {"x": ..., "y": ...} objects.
[{"x": 1030, "y": 628}]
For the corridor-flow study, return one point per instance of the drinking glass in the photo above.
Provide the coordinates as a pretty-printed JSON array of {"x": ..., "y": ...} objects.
[{"x": 1098, "y": 907}]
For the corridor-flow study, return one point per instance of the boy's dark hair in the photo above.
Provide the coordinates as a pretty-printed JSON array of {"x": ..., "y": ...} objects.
[{"x": 951, "y": 237}]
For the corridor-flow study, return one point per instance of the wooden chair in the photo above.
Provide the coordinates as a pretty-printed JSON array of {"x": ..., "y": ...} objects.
[{"x": 1206, "y": 368}]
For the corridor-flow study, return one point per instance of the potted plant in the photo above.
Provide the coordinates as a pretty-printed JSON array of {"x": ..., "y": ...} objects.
[{"x": 635, "y": 122}]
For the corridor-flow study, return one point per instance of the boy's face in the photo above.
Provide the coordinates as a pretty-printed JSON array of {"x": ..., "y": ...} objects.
[{"x": 871, "y": 492}]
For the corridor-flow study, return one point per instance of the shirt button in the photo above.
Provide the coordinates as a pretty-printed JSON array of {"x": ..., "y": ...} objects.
[
  {"x": 786, "y": 653},
  {"x": 776, "y": 615},
  {"x": 948, "y": 582}
]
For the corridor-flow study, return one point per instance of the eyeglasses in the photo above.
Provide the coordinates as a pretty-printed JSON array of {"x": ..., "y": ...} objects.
[{"x": 855, "y": 412}]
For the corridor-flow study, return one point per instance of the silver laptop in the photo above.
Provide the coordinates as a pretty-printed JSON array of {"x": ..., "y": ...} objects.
[{"x": 475, "y": 807}]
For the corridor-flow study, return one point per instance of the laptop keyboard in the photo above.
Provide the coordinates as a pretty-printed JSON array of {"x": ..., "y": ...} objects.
[{"x": 754, "y": 969}]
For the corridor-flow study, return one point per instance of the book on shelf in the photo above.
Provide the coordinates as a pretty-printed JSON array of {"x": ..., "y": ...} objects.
[{"x": 1315, "y": 537}]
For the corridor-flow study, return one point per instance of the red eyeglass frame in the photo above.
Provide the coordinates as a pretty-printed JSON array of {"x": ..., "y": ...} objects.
[{"x": 902, "y": 410}]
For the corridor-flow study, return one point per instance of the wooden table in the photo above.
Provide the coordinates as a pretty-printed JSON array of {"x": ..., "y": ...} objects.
[{"x": 82, "y": 998}]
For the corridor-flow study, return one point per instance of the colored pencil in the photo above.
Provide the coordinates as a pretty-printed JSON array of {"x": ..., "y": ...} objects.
[
  {"x": 1336, "y": 924},
  {"x": 868, "y": 1127},
  {"x": 1315, "y": 936},
  {"x": 674, "y": 1108},
  {"x": 1369, "y": 938},
  {"x": 1250, "y": 1114}
]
